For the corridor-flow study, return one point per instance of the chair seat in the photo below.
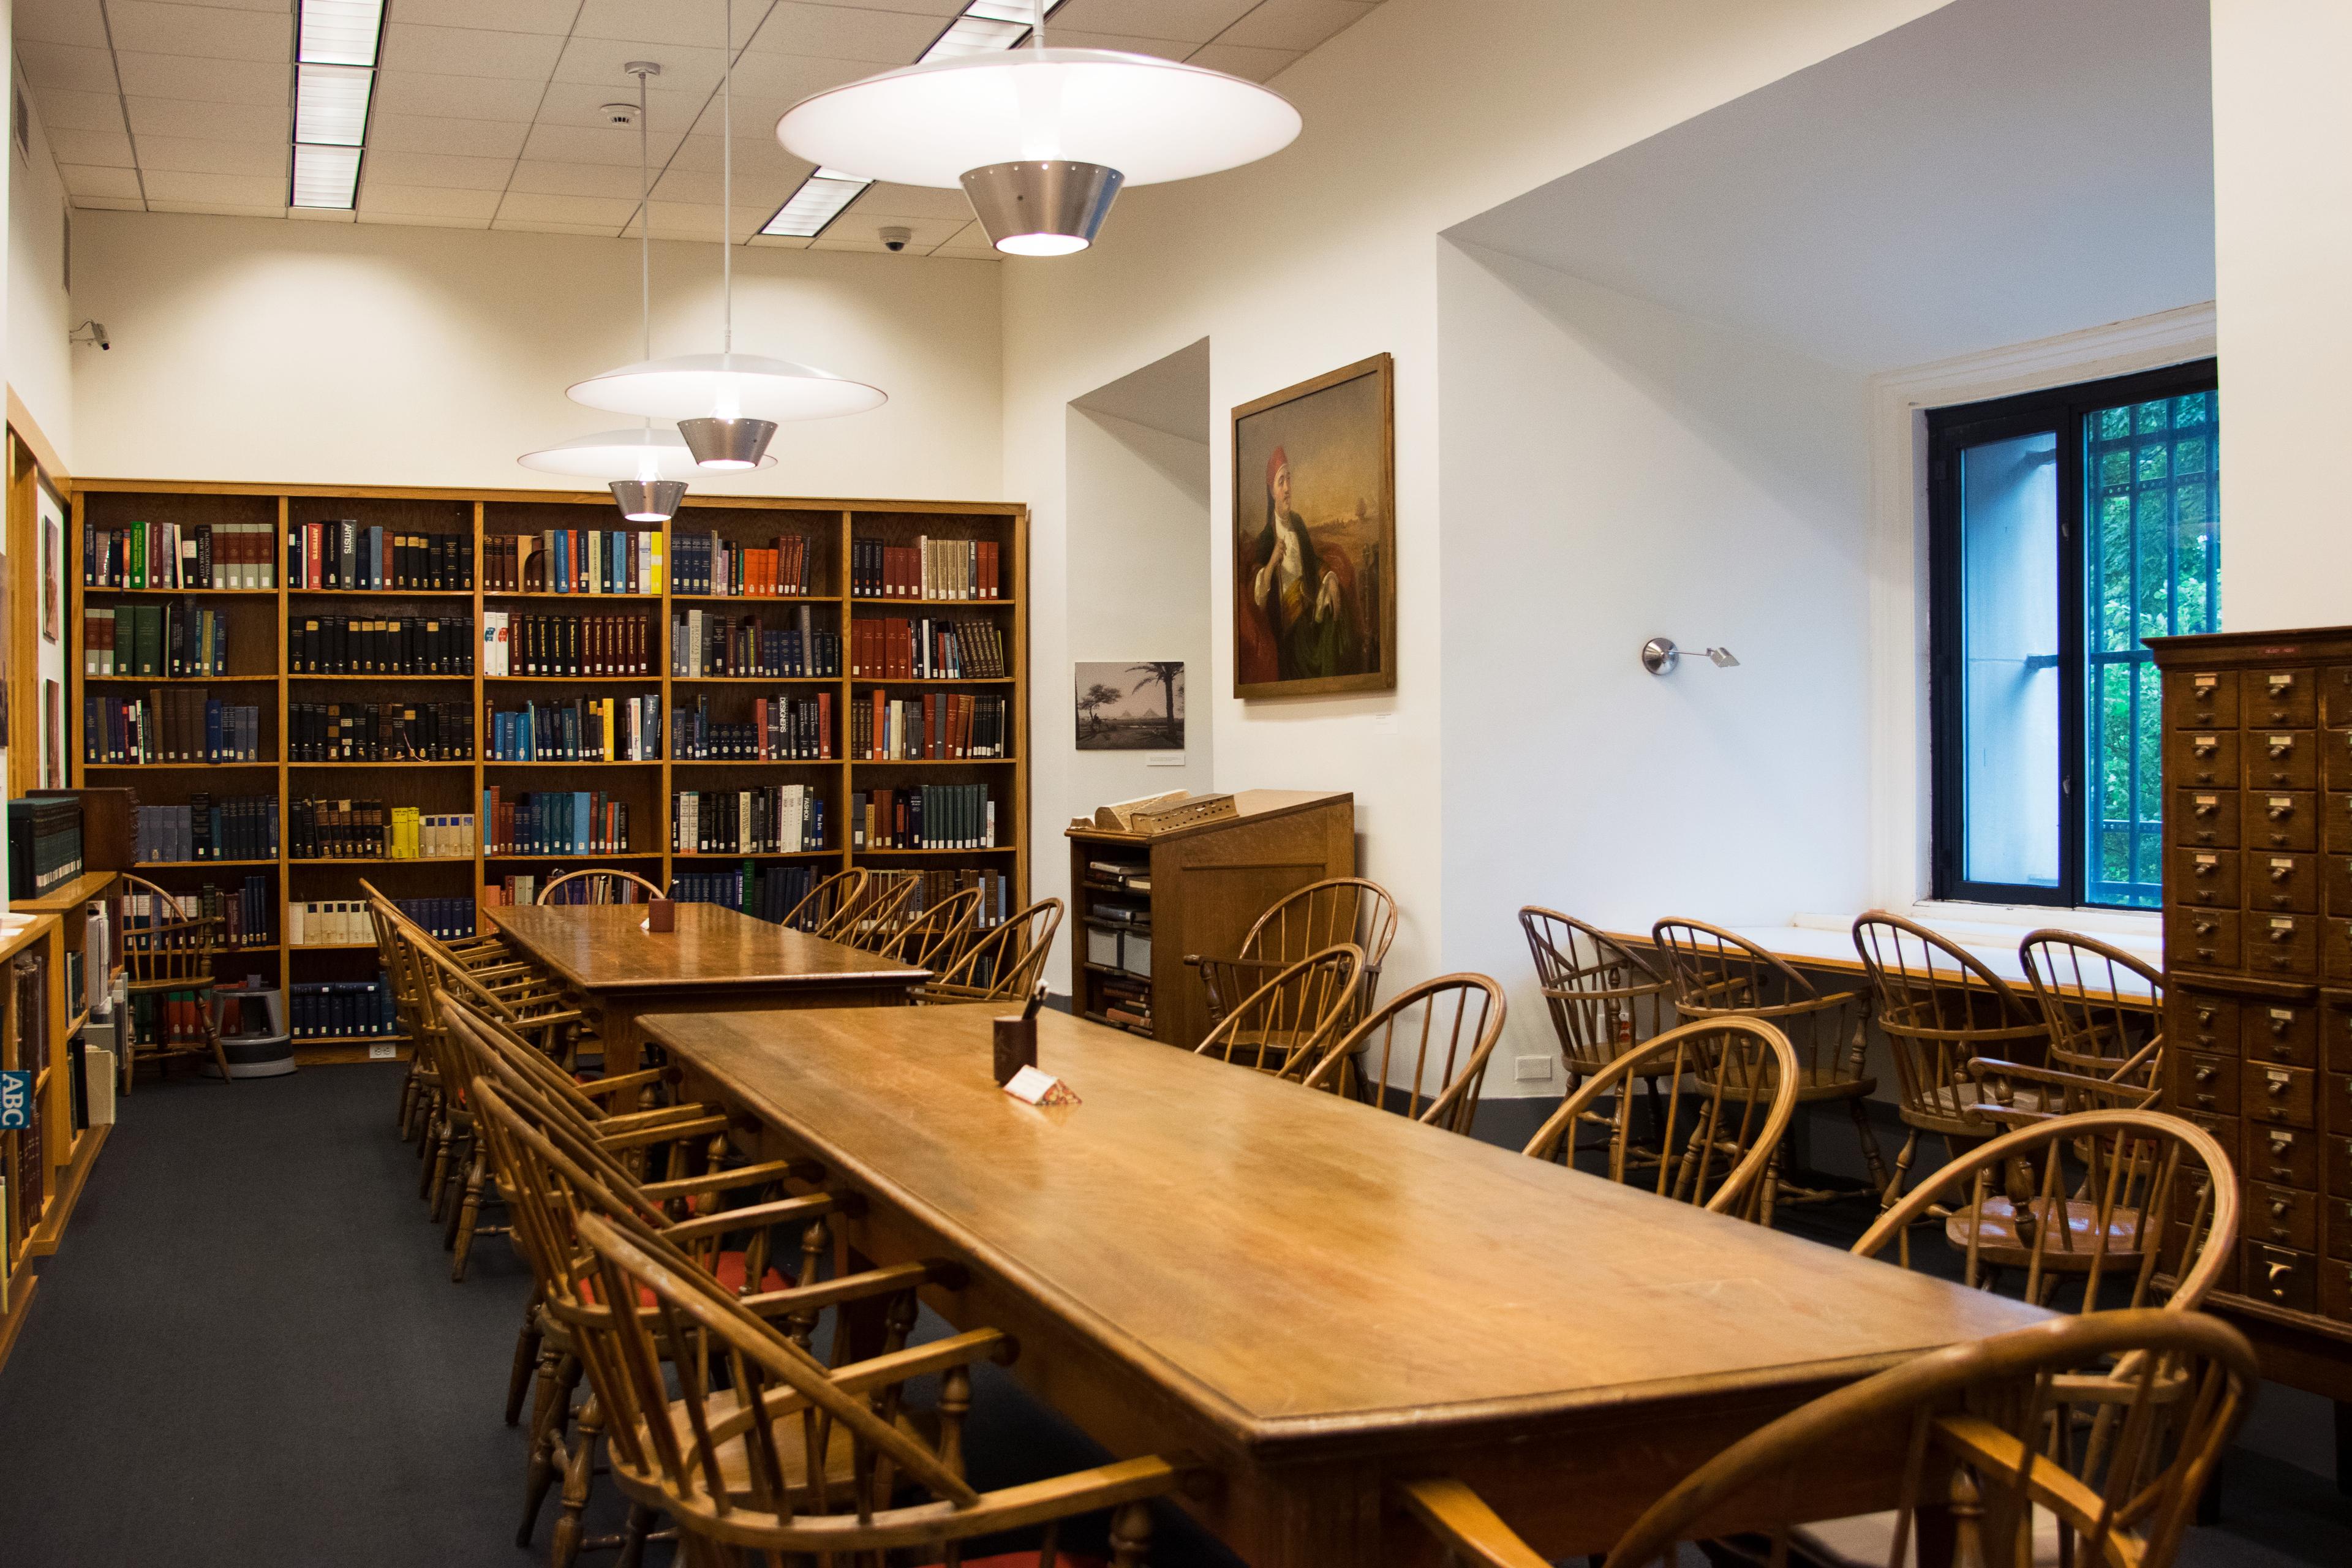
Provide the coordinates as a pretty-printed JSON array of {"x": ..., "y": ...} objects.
[
  {"x": 1819, "y": 1083},
  {"x": 1999, "y": 1243},
  {"x": 728, "y": 1273},
  {"x": 1952, "y": 1109},
  {"x": 840, "y": 1466}
]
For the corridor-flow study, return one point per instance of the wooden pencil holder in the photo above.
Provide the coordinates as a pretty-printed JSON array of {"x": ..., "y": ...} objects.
[{"x": 1016, "y": 1047}]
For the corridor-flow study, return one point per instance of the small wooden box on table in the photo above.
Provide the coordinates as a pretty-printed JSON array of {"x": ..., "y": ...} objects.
[
  {"x": 1198, "y": 890},
  {"x": 716, "y": 961},
  {"x": 1254, "y": 1282}
]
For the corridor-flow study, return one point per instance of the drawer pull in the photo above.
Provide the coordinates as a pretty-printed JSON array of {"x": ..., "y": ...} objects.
[
  {"x": 2279, "y": 1207},
  {"x": 2280, "y": 1021},
  {"x": 2281, "y": 932},
  {"x": 2205, "y": 745},
  {"x": 2275, "y": 1273},
  {"x": 2281, "y": 807},
  {"x": 2206, "y": 806},
  {"x": 2282, "y": 683},
  {"x": 2281, "y": 870},
  {"x": 2206, "y": 1074},
  {"x": 2282, "y": 745},
  {"x": 2204, "y": 1018},
  {"x": 2279, "y": 1086},
  {"x": 2205, "y": 928}
]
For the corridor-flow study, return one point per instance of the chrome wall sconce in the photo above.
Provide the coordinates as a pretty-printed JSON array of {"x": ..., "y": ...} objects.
[{"x": 1659, "y": 657}]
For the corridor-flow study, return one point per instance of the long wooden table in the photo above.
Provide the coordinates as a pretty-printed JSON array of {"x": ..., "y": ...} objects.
[
  {"x": 1317, "y": 1296},
  {"x": 716, "y": 961},
  {"x": 1831, "y": 950}
]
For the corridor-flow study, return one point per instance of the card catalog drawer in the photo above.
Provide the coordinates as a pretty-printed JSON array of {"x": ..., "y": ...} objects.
[
  {"x": 2281, "y": 819},
  {"x": 2284, "y": 1156},
  {"x": 2208, "y": 818},
  {"x": 2201, "y": 699},
  {"x": 2201, "y": 1022},
  {"x": 2336, "y": 768},
  {"x": 2337, "y": 960},
  {"x": 2288, "y": 1035},
  {"x": 2335, "y": 697},
  {"x": 2335, "y": 1219},
  {"x": 2335, "y": 1035},
  {"x": 2201, "y": 939},
  {"x": 2336, "y": 1153},
  {"x": 2282, "y": 947},
  {"x": 2275, "y": 881},
  {"x": 2279, "y": 699},
  {"x": 2338, "y": 836},
  {"x": 2283, "y": 1216},
  {"x": 2281, "y": 1277},
  {"x": 2281, "y": 758},
  {"x": 2210, "y": 758},
  {"x": 2203, "y": 1083},
  {"x": 2282, "y": 1095},
  {"x": 2208, "y": 879},
  {"x": 2335, "y": 1291},
  {"x": 2335, "y": 877},
  {"x": 2336, "y": 1100}
]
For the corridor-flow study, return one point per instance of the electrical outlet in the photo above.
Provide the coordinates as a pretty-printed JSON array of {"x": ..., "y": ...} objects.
[{"x": 1532, "y": 1069}]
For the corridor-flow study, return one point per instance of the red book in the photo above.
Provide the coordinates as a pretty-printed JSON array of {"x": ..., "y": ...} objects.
[{"x": 824, "y": 725}]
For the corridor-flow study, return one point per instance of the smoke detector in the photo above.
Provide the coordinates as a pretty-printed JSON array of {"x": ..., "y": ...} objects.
[{"x": 618, "y": 113}]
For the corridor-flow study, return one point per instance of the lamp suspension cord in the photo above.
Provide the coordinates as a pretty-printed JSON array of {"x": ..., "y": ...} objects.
[
  {"x": 726, "y": 187},
  {"x": 645, "y": 222},
  {"x": 1037, "y": 28}
]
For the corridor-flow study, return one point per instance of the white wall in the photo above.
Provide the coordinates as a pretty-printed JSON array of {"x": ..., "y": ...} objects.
[
  {"x": 360, "y": 354},
  {"x": 40, "y": 361},
  {"x": 1614, "y": 470},
  {"x": 2283, "y": 212}
]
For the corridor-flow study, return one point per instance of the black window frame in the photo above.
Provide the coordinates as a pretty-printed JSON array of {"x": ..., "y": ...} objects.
[{"x": 2062, "y": 409}]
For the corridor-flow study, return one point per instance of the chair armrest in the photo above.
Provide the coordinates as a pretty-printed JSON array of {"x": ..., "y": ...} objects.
[
  {"x": 753, "y": 1217},
  {"x": 646, "y": 1137},
  {"x": 657, "y": 1116},
  {"x": 722, "y": 1181},
  {"x": 598, "y": 1087},
  {"x": 1460, "y": 1518},
  {"x": 885, "y": 1281}
]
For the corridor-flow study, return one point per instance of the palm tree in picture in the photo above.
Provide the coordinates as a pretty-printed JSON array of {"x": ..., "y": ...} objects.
[
  {"x": 1091, "y": 701},
  {"x": 1170, "y": 674}
]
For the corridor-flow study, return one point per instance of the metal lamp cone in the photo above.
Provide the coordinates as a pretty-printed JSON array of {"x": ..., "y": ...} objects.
[
  {"x": 727, "y": 442},
  {"x": 1045, "y": 206},
  {"x": 648, "y": 501}
]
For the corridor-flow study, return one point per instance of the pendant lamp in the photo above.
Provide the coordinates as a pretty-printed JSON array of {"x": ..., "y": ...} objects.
[
  {"x": 727, "y": 404},
  {"x": 1040, "y": 139},
  {"x": 645, "y": 467}
]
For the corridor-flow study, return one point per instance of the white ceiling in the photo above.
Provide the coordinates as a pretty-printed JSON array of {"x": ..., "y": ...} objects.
[
  {"x": 485, "y": 110},
  {"x": 1996, "y": 171}
]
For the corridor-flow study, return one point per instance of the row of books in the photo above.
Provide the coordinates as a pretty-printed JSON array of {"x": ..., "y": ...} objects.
[
  {"x": 556, "y": 822},
  {"x": 246, "y": 916},
  {"x": 702, "y": 643},
  {"x": 144, "y": 555},
  {"x": 573, "y": 561},
  {"x": 595, "y": 890},
  {"x": 773, "y": 819},
  {"x": 584, "y": 730},
  {"x": 928, "y": 569},
  {"x": 509, "y": 892},
  {"x": 782, "y": 729},
  {"x": 369, "y": 830},
  {"x": 344, "y": 553},
  {"x": 927, "y": 816},
  {"x": 565, "y": 645},
  {"x": 170, "y": 725},
  {"x": 936, "y": 884},
  {"x": 450, "y": 920},
  {"x": 380, "y": 645},
  {"x": 240, "y": 827},
  {"x": 763, "y": 892},
  {"x": 707, "y": 564},
  {"x": 152, "y": 640},
  {"x": 936, "y": 726},
  {"x": 44, "y": 845},
  {"x": 379, "y": 732},
  {"x": 341, "y": 1009},
  {"x": 1126, "y": 1001},
  {"x": 151, "y": 924},
  {"x": 887, "y": 648}
]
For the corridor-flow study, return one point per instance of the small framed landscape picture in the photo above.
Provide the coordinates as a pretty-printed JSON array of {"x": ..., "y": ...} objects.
[
  {"x": 1314, "y": 536},
  {"x": 1136, "y": 706}
]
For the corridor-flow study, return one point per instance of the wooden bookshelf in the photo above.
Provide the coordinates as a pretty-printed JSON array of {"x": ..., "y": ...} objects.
[
  {"x": 65, "y": 1156},
  {"x": 258, "y": 670}
]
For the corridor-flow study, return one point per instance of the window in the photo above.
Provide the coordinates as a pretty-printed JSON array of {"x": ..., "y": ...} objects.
[{"x": 2066, "y": 527}]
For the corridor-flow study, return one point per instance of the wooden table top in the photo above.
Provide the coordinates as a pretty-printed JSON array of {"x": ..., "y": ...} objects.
[
  {"x": 1305, "y": 1271},
  {"x": 603, "y": 948}
]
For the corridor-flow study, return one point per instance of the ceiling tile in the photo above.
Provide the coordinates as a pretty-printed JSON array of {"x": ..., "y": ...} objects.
[
  {"x": 862, "y": 226},
  {"x": 65, "y": 110},
  {"x": 582, "y": 103},
  {"x": 378, "y": 199},
  {"x": 772, "y": 241},
  {"x": 1255, "y": 65},
  {"x": 392, "y": 132},
  {"x": 440, "y": 170},
  {"x": 785, "y": 80},
  {"x": 915, "y": 201},
  {"x": 663, "y": 21},
  {"x": 208, "y": 32},
  {"x": 205, "y": 80},
  {"x": 505, "y": 16},
  {"x": 106, "y": 204},
  {"x": 280, "y": 6},
  {"x": 61, "y": 22},
  {"x": 594, "y": 145},
  {"x": 549, "y": 225},
  {"x": 1195, "y": 21},
  {"x": 845, "y": 33},
  {"x": 685, "y": 220},
  {"x": 577, "y": 179},
  {"x": 418, "y": 220},
  {"x": 211, "y": 121},
  {"x": 532, "y": 206},
  {"x": 83, "y": 180},
  {"x": 757, "y": 157},
  {"x": 597, "y": 62},
  {"x": 217, "y": 210},
  {"x": 110, "y": 148},
  {"x": 1124, "y": 42},
  {"x": 468, "y": 51},
  {"x": 66, "y": 66},
  {"x": 1294, "y": 23},
  {"x": 195, "y": 155},
  {"x": 242, "y": 190},
  {"x": 459, "y": 96},
  {"x": 320, "y": 215}
]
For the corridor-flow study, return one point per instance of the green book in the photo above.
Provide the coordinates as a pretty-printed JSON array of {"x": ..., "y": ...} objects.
[{"x": 138, "y": 554}]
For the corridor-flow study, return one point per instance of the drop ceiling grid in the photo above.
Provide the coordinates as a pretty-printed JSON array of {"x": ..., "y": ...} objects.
[{"x": 486, "y": 116}]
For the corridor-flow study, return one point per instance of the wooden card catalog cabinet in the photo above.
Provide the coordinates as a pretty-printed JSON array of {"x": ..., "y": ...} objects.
[{"x": 2258, "y": 940}]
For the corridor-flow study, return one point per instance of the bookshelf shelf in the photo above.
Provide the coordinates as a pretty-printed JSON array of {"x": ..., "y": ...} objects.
[
  {"x": 145, "y": 866},
  {"x": 869, "y": 682},
  {"x": 492, "y": 522},
  {"x": 377, "y": 860},
  {"x": 301, "y": 1040},
  {"x": 173, "y": 679}
]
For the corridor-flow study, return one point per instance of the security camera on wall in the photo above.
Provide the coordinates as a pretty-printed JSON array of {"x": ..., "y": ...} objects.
[
  {"x": 90, "y": 332},
  {"x": 895, "y": 240}
]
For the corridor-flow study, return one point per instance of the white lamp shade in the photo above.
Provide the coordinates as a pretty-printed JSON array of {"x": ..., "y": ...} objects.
[
  {"x": 728, "y": 386},
  {"x": 1151, "y": 119},
  {"x": 633, "y": 454}
]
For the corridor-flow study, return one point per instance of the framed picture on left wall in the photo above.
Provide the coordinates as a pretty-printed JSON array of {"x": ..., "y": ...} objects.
[{"x": 51, "y": 613}]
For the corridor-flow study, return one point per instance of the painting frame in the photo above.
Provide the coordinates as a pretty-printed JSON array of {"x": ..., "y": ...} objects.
[
  {"x": 1114, "y": 710},
  {"x": 1375, "y": 620}
]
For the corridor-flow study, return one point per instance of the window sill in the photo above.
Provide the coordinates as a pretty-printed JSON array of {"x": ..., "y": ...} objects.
[{"x": 2139, "y": 932}]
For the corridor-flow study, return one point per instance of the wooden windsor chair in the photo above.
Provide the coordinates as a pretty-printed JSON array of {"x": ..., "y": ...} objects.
[
  {"x": 829, "y": 902},
  {"x": 1323, "y": 914},
  {"x": 1720, "y": 974},
  {"x": 1939, "y": 1009},
  {"x": 2005, "y": 1466},
  {"x": 600, "y": 886},
  {"x": 937, "y": 935},
  {"x": 489, "y": 950},
  {"x": 2104, "y": 1008},
  {"x": 1719, "y": 1126},
  {"x": 421, "y": 1081},
  {"x": 1290, "y": 1026},
  {"x": 722, "y": 1463},
  {"x": 880, "y": 909},
  {"x": 167, "y": 968},
  {"x": 1003, "y": 963},
  {"x": 1602, "y": 996},
  {"x": 1444, "y": 1029}
]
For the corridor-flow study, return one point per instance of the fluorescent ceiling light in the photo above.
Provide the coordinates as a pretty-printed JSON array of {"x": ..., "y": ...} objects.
[
  {"x": 330, "y": 105},
  {"x": 340, "y": 32},
  {"x": 326, "y": 176},
  {"x": 820, "y": 200},
  {"x": 985, "y": 27}
]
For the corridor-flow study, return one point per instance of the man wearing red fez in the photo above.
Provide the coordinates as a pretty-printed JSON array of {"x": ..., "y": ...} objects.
[{"x": 1299, "y": 601}]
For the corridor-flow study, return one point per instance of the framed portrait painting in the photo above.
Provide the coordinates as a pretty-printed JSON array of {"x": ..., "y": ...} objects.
[{"x": 1314, "y": 536}]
